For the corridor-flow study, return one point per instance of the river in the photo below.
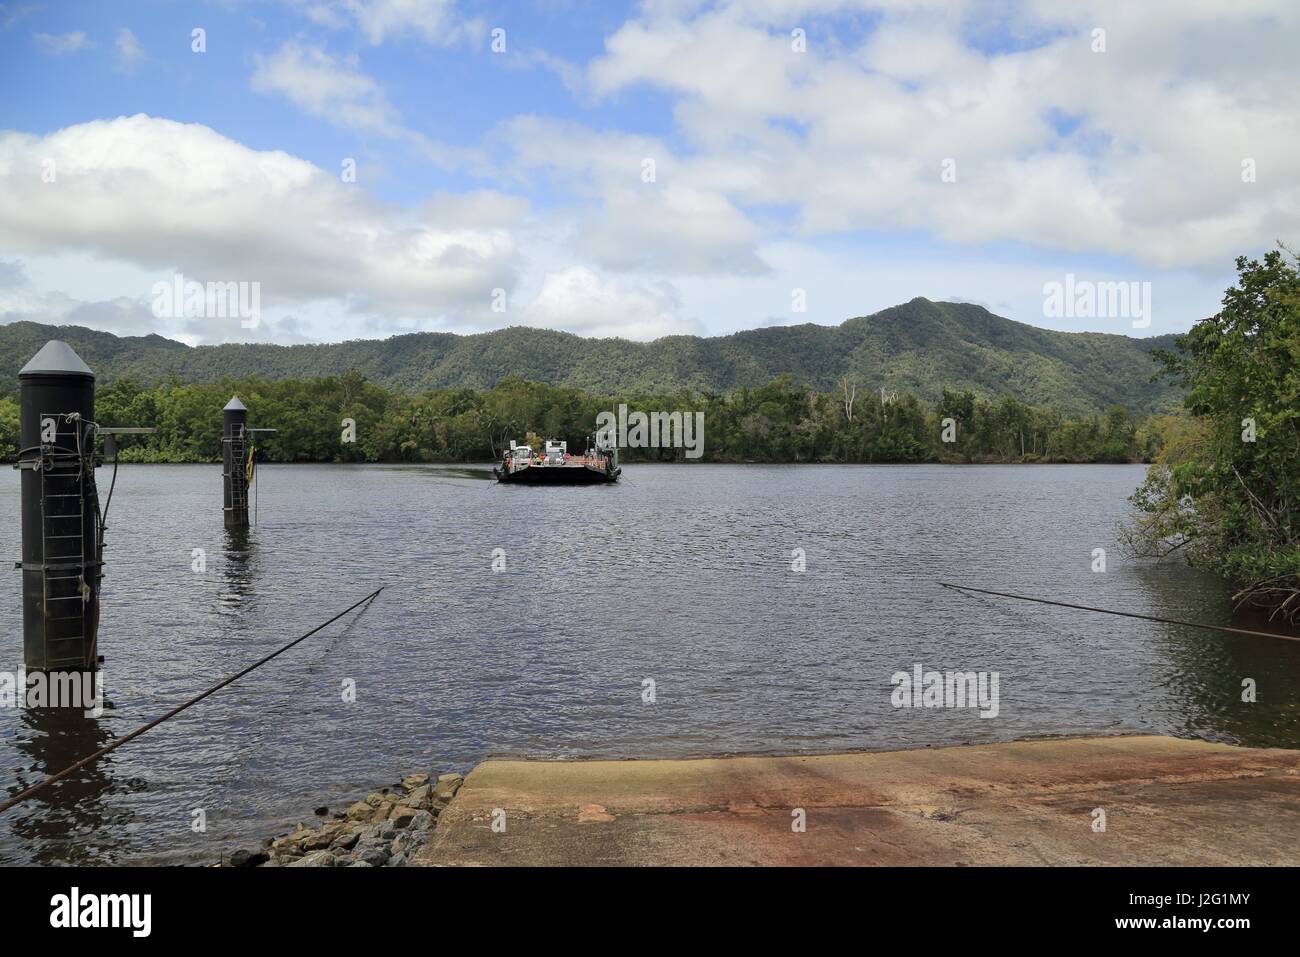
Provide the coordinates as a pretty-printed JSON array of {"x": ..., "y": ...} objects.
[{"x": 682, "y": 575}]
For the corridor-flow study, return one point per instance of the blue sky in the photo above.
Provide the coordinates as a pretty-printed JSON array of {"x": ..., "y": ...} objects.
[
  {"x": 459, "y": 97},
  {"x": 635, "y": 169}
]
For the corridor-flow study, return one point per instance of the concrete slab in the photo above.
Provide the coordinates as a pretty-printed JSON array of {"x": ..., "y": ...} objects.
[{"x": 1167, "y": 801}]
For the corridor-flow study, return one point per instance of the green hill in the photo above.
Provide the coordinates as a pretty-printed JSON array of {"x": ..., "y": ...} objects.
[{"x": 921, "y": 347}]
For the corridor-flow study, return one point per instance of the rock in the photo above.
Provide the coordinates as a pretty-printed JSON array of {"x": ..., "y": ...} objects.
[
  {"x": 405, "y": 845},
  {"x": 401, "y": 844},
  {"x": 446, "y": 786},
  {"x": 403, "y": 815},
  {"x": 384, "y": 829},
  {"x": 315, "y": 859},
  {"x": 421, "y": 797},
  {"x": 413, "y": 781},
  {"x": 318, "y": 841},
  {"x": 286, "y": 845},
  {"x": 361, "y": 811},
  {"x": 374, "y": 856},
  {"x": 243, "y": 858}
]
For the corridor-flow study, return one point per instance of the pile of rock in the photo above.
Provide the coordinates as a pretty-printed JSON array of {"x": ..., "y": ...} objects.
[{"x": 384, "y": 830}]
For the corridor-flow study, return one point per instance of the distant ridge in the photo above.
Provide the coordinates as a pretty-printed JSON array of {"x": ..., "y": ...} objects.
[{"x": 921, "y": 347}]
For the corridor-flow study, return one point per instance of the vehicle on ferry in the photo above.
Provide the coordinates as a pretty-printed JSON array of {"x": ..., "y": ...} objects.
[{"x": 553, "y": 465}]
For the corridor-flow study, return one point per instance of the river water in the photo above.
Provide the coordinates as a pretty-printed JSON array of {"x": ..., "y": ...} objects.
[{"x": 683, "y": 575}]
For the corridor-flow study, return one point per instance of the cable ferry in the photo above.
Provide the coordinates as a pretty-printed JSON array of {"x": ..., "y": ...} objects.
[{"x": 555, "y": 466}]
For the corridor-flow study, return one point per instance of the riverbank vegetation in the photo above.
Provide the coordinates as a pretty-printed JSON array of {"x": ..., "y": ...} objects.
[
  {"x": 779, "y": 422},
  {"x": 1224, "y": 489}
]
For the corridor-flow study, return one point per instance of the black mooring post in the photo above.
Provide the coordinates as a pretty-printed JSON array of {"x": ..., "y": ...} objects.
[
  {"x": 60, "y": 511},
  {"x": 234, "y": 462}
]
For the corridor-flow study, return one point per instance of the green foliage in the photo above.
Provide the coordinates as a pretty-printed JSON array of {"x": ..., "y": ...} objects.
[
  {"x": 920, "y": 348},
  {"x": 1228, "y": 491},
  {"x": 8, "y": 429},
  {"x": 780, "y": 421}
]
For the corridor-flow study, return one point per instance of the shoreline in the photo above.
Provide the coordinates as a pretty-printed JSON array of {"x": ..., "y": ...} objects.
[
  {"x": 1112, "y": 800},
  {"x": 383, "y": 829}
]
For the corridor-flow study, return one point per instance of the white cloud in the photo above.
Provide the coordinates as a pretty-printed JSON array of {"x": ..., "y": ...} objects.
[
  {"x": 579, "y": 300},
  {"x": 12, "y": 274},
  {"x": 107, "y": 296},
  {"x": 853, "y": 137},
  {"x": 61, "y": 43},
  {"x": 1132, "y": 156},
  {"x": 166, "y": 196},
  {"x": 11, "y": 15},
  {"x": 435, "y": 22},
  {"x": 328, "y": 87},
  {"x": 674, "y": 230},
  {"x": 129, "y": 51},
  {"x": 336, "y": 90},
  {"x": 159, "y": 197},
  {"x": 644, "y": 211},
  {"x": 569, "y": 73},
  {"x": 21, "y": 299}
]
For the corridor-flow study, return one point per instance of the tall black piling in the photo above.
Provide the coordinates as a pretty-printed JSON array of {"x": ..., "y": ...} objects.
[
  {"x": 234, "y": 462},
  {"x": 61, "y": 555}
]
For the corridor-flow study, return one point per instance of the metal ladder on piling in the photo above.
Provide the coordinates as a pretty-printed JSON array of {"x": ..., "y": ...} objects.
[
  {"x": 65, "y": 590},
  {"x": 239, "y": 474}
]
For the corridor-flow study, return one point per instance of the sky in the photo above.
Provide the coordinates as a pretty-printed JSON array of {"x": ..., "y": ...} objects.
[{"x": 363, "y": 168}]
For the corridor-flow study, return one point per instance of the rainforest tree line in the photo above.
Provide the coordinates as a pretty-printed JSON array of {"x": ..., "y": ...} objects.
[{"x": 778, "y": 422}]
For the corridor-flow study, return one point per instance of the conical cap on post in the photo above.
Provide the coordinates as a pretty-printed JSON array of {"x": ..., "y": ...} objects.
[{"x": 56, "y": 357}]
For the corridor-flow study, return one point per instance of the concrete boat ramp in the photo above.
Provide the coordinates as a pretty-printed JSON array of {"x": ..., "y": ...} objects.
[{"x": 1165, "y": 801}]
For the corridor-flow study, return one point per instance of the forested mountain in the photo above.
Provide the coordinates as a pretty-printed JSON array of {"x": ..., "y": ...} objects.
[{"x": 920, "y": 348}]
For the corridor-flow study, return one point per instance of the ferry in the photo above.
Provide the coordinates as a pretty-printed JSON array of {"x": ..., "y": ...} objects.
[{"x": 554, "y": 465}]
